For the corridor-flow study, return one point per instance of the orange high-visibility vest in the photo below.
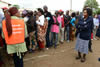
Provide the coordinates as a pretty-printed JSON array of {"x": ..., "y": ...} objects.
[{"x": 18, "y": 32}]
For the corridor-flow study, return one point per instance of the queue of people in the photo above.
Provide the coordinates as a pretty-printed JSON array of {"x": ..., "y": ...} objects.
[{"x": 30, "y": 31}]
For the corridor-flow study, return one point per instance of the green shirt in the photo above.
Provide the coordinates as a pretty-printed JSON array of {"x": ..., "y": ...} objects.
[{"x": 17, "y": 48}]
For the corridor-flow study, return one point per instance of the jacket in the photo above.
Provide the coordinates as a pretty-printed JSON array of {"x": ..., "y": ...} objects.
[{"x": 84, "y": 28}]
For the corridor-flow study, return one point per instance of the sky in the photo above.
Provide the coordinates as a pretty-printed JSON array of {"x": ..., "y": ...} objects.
[{"x": 77, "y": 5}]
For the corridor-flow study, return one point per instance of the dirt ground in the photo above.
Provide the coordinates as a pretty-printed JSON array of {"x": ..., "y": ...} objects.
[{"x": 63, "y": 56}]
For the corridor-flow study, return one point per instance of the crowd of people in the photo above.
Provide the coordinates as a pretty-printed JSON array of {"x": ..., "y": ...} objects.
[{"x": 28, "y": 31}]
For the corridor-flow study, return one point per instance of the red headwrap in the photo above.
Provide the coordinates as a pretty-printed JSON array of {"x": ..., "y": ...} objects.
[
  {"x": 60, "y": 11},
  {"x": 11, "y": 12}
]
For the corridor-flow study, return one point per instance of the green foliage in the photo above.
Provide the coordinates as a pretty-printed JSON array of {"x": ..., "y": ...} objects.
[
  {"x": 98, "y": 11},
  {"x": 92, "y": 4},
  {"x": 17, "y": 6}
]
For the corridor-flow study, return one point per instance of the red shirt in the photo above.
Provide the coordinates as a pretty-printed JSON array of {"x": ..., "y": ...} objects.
[{"x": 62, "y": 21}]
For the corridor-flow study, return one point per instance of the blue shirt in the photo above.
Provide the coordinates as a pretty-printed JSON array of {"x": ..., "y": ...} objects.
[{"x": 73, "y": 21}]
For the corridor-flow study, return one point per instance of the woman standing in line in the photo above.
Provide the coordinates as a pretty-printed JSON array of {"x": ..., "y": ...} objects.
[
  {"x": 14, "y": 32},
  {"x": 96, "y": 26},
  {"x": 55, "y": 29},
  {"x": 72, "y": 26},
  {"x": 84, "y": 34},
  {"x": 42, "y": 25}
]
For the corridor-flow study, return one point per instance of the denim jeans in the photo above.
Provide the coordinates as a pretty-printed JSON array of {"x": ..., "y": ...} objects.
[
  {"x": 68, "y": 31},
  {"x": 54, "y": 39}
]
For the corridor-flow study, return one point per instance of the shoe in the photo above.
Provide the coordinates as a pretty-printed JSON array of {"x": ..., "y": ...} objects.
[
  {"x": 95, "y": 39},
  {"x": 47, "y": 48},
  {"x": 99, "y": 59},
  {"x": 61, "y": 42},
  {"x": 31, "y": 51},
  {"x": 55, "y": 47},
  {"x": 77, "y": 58},
  {"x": 90, "y": 51},
  {"x": 91, "y": 39},
  {"x": 83, "y": 60}
]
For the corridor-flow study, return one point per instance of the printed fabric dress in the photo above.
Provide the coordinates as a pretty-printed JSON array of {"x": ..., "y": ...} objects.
[{"x": 41, "y": 31}]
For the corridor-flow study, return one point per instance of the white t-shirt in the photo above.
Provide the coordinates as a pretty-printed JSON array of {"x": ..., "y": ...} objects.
[
  {"x": 26, "y": 19},
  {"x": 41, "y": 20},
  {"x": 96, "y": 22}
]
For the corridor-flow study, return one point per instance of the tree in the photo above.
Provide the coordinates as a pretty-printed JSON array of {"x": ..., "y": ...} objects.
[{"x": 92, "y": 4}]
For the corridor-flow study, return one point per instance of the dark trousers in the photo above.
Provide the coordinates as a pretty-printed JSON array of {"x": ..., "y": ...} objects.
[
  {"x": 27, "y": 42},
  {"x": 48, "y": 37},
  {"x": 18, "y": 62},
  {"x": 90, "y": 45},
  {"x": 68, "y": 31}
]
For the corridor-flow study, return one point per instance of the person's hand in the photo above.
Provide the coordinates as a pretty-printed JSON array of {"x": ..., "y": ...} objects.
[
  {"x": 97, "y": 27},
  {"x": 85, "y": 26},
  {"x": 11, "y": 55}
]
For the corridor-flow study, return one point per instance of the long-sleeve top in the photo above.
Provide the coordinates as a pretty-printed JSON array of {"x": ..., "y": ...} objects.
[
  {"x": 72, "y": 22},
  {"x": 84, "y": 27},
  {"x": 96, "y": 22}
]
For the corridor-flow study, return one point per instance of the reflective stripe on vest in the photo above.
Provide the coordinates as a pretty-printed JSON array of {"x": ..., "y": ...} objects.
[{"x": 18, "y": 32}]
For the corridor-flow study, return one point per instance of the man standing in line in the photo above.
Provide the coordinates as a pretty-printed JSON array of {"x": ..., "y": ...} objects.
[{"x": 50, "y": 21}]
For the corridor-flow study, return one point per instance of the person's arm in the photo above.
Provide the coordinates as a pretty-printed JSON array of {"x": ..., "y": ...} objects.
[
  {"x": 67, "y": 22},
  {"x": 51, "y": 21},
  {"x": 2, "y": 35},
  {"x": 51, "y": 18},
  {"x": 26, "y": 32},
  {"x": 88, "y": 25},
  {"x": 72, "y": 22}
]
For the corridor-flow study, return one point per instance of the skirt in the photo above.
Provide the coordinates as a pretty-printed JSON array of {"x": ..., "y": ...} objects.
[{"x": 82, "y": 45}]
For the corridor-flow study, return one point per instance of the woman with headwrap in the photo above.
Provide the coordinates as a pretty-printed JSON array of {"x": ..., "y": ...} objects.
[
  {"x": 14, "y": 32},
  {"x": 42, "y": 25}
]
